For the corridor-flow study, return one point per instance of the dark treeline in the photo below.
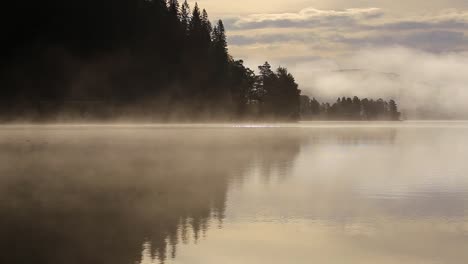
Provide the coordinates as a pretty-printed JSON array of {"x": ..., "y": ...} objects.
[
  {"x": 349, "y": 109},
  {"x": 104, "y": 59},
  {"x": 154, "y": 59}
]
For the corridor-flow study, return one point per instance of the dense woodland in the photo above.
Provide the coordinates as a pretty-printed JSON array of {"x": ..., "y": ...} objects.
[
  {"x": 156, "y": 59},
  {"x": 126, "y": 58},
  {"x": 349, "y": 109}
]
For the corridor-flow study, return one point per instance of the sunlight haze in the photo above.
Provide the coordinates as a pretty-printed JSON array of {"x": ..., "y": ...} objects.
[{"x": 318, "y": 39}]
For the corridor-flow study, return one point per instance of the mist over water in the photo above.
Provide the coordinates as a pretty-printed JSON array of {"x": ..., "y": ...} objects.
[
  {"x": 325, "y": 192},
  {"x": 425, "y": 85}
]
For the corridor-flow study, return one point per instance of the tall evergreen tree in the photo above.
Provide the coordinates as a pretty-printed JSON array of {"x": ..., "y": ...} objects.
[
  {"x": 196, "y": 24},
  {"x": 287, "y": 97},
  {"x": 393, "y": 110},
  {"x": 207, "y": 27},
  {"x": 198, "y": 40},
  {"x": 220, "y": 44},
  {"x": 173, "y": 8},
  {"x": 242, "y": 80},
  {"x": 263, "y": 82},
  {"x": 185, "y": 16}
]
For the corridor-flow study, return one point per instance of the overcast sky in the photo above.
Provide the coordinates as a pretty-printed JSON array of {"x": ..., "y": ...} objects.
[
  {"x": 412, "y": 49},
  {"x": 284, "y": 30}
]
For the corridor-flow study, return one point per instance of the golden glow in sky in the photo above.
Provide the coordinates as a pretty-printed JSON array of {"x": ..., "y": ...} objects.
[{"x": 401, "y": 49}]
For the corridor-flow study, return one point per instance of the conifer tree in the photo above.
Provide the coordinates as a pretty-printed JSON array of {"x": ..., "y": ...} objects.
[
  {"x": 196, "y": 24},
  {"x": 393, "y": 110},
  {"x": 173, "y": 9},
  {"x": 185, "y": 17},
  {"x": 220, "y": 43},
  {"x": 287, "y": 95},
  {"x": 206, "y": 23},
  {"x": 264, "y": 81}
]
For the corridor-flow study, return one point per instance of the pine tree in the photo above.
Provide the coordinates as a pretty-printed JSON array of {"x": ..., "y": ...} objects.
[
  {"x": 173, "y": 8},
  {"x": 265, "y": 71},
  {"x": 220, "y": 43},
  {"x": 206, "y": 23},
  {"x": 264, "y": 80},
  {"x": 242, "y": 80},
  {"x": 185, "y": 16},
  {"x": 356, "y": 108},
  {"x": 315, "y": 106},
  {"x": 286, "y": 95},
  {"x": 393, "y": 110},
  {"x": 196, "y": 25},
  {"x": 266, "y": 86}
]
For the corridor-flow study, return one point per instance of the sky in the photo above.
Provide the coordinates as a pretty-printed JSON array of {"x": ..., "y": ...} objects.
[{"x": 412, "y": 51}]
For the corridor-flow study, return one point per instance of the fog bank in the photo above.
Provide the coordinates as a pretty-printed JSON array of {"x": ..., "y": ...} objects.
[{"x": 426, "y": 85}]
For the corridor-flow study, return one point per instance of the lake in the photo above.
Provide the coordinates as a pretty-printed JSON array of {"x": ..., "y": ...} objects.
[{"x": 313, "y": 192}]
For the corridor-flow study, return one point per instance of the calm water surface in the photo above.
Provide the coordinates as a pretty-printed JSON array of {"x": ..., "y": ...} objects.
[{"x": 326, "y": 192}]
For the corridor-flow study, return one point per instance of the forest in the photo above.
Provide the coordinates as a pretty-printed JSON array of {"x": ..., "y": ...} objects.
[
  {"x": 153, "y": 59},
  {"x": 349, "y": 109}
]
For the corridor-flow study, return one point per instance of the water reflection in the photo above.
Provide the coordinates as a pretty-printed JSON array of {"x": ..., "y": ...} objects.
[
  {"x": 126, "y": 194},
  {"x": 96, "y": 195}
]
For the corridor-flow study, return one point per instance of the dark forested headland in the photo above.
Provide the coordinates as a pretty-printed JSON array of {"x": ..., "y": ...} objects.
[{"x": 156, "y": 59}]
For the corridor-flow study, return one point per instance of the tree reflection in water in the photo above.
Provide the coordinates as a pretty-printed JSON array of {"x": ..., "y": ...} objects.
[{"x": 104, "y": 194}]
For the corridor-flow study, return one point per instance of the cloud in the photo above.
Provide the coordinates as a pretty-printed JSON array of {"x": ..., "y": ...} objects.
[
  {"x": 432, "y": 40},
  {"x": 420, "y": 60},
  {"x": 306, "y": 18},
  {"x": 269, "y": 38},
  {"x": 349, "y": 29},
  {"x": 363, "y": 18},
  {"x": 449, "y": 19},
  {"x": 427, "y": 85}
]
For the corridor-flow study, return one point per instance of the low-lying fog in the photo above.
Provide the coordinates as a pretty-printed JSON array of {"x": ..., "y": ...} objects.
[
  {"x": 426, "y": 85},
  {"x": 390, "y": 192}
]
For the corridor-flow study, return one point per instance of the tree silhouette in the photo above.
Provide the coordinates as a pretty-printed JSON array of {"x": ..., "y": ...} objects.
[
  {"x": 393, "y": 109},
  {"x": 349, "y": 109},
  {"x": 157, "y": 59},
  {"x": 185, "y": 17}
]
